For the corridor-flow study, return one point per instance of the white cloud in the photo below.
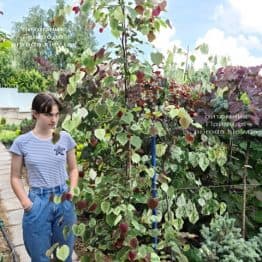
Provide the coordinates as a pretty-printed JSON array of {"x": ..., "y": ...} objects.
[
  {"x": 249, "y": 13},
  {"x": 234, "y": 47},
  {"x": 236, "y": 34},
  {"x": 240, "y": 33},
  {"x": 163, "y": 41},
  {"x": 250, "y": 41},
  {"x": 240, "y": 15}
]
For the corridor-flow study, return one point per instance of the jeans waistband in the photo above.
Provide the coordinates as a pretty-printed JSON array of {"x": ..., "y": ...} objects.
[{"x": 45, "y": 191}]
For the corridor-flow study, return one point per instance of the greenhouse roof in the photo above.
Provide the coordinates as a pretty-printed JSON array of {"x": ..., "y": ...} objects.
[{"x": 9, "y": 97}]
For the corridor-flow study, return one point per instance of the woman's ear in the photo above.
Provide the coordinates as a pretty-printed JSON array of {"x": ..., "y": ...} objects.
[{"x": 34, "y": 114}]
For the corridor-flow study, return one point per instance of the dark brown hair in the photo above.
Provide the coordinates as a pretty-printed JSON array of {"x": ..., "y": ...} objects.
[{"x": 43, "y": 102}]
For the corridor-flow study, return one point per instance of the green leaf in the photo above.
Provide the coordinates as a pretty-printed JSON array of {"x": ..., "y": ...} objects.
[
  {"x": 258, "y": 216},
  {"x": 127, "y": 118},
  {"x": 192, "y": 58},
  {"x": 197, "y": 125},
  {"x": 205, "y": 193},
  {"x": 49, "y": 252},
  {"x": 117, "y": 220},
  {"x": 79, "y": 230},
  {"x": 89, "y": 63},
  {"x": 180, "y": 212},
  {"x": 211, "y": 155},
  {"x": 192, "y": 212},
  {"x": 258, "y": 195},
  {"x": 76, "y": 191},
  {"x": 176, "y": 153},
  {"x": 92, "y": 222},
  {"x": 74, "y": 81},
  {"x": 114, "y": 27},
  {"x": 136, "y": 141},
  {"x": 164, "y": 187},
  {"x": 57, "y": 199},
  {"x": 108, "y": 81},
  {"x": 154, "y": 257},
  {"x": 245, "y": 99},
  {"x": 135, "y": 158},
  {"x": 160, "y": 130},
  {"x": 138, "y": 226},
  {"x": 82, "y": 112},
  {"x": 92, "y": 174},
  {"x": 105, "y": 207},
  {"x": 222, "y": 208},
  {"x": 203, "y": 161},
  {"x": 110, "y": 218},
  {"x": 160, "y": 149},
  {"x": 71, "y": 123},
  {"x": 171, "y": 192},
  {"x": 122, "y": 138},
  {"x": 173, "y": 113},
  {"x": 66, "y": 231},
  {"x": 178, "y": 223},
  {"x": 181, "y": 201},
  {"x": 56, "y": 76},
  {"x": 203, "y": 48},
  {"x": 193, "y": 158},
  {"x": 142, "y": 250},
  {"x": 118, "y": 14},
  {"x": 100, "y": 134},
  {"x": 201, "y": 201},
  {"x": 156, "y": 58},
  {"x": 62, "y": 252},
  {"x": 6, "y": 44}
]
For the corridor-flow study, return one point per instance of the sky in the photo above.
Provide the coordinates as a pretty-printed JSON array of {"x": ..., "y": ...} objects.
[{"x": 229, "y": 27}]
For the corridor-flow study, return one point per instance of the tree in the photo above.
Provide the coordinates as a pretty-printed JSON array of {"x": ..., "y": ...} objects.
[
  {"x": 6, "y": 70},
  {"x": 42, "y": 35},
  {"x": 28, "y": 38}
]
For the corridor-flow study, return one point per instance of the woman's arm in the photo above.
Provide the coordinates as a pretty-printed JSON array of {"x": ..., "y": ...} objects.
[
  {"x": 17, "y": 183},
  {"x": 72, "y": 169}
]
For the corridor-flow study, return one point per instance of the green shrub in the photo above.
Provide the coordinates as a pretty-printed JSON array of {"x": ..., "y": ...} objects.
[
  {"x": 223, "y": 242},
  {"x": 12, "y": 127},
  {"x": 26, "y": 125},
  {"x": 30, "y": 81},
  {"x": 256, "y": 243},
  {"x": 2, "y": 121},
  {"x": 8, "y": 136}
]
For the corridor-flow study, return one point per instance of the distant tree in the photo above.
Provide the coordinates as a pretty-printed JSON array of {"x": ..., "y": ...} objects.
[
  {"x": 6, "y": 70},
  {"x": 81, "y": 36},
  {"x": 40, "y": 35},
  {"x": 27, "y": 37}
]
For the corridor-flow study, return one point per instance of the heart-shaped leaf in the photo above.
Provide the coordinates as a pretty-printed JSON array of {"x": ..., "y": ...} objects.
[
  {"x": 156, "y": 58},
  {"x": 136, "y": 142},
  {"x": 79, "y": 230},
  {"x": 62, "y": 252},
  {"x": 100, "y": 134},
  {"x": 105, "y": 207}
]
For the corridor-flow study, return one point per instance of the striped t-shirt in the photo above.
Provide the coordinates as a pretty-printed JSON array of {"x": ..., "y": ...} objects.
[{"x": 45, "y": 162}]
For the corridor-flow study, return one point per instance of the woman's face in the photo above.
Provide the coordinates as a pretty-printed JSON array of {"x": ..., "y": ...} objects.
[{"x": 48, "y": 120}]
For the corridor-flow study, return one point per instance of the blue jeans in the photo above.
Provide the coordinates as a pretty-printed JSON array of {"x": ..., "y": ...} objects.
[{"x": 43, "y": 224}]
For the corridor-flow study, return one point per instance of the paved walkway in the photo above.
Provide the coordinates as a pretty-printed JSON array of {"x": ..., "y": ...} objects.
[{"x": 11, "y": 205}]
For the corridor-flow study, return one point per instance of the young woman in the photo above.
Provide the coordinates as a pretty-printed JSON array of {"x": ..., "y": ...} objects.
[{"x": 48, "y": 165}]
